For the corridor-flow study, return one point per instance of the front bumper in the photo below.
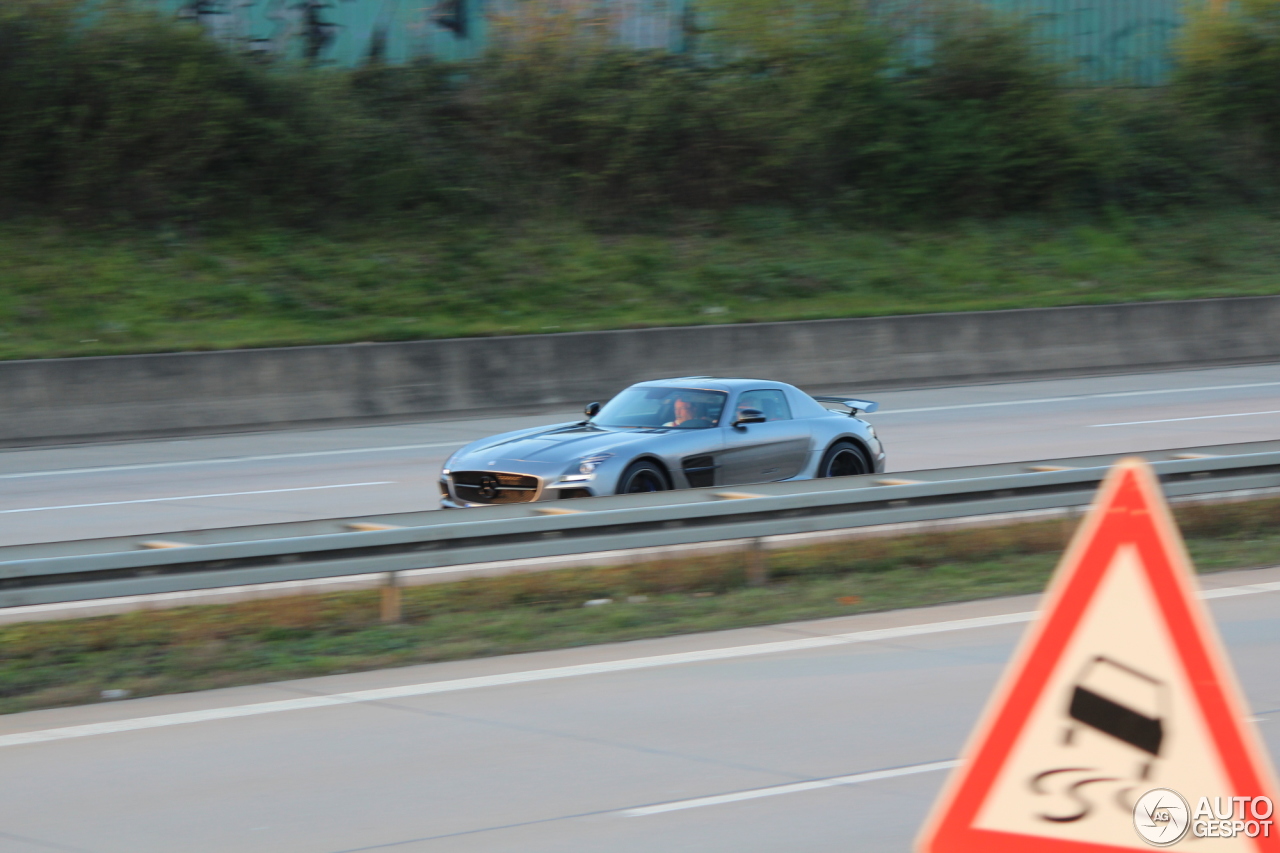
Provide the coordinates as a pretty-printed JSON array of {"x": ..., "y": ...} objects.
[{"x": 546, "y": 492}]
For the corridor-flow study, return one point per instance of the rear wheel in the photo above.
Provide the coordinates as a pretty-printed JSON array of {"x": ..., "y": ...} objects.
[
  {"x": 642, "y": 476},
  {"x": 843, "y": 459}
]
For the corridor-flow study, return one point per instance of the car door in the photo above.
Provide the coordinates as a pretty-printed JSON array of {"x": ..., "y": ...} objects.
[
  {"x": 697, "y": 453},
  {"x": 759, "y": 453}
]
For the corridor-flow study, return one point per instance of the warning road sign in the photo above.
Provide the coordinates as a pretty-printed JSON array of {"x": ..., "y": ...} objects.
[{"x": 1119, "y": 725}]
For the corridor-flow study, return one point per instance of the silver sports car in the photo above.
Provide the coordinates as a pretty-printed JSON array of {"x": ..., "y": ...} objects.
[{"x": 669, "y": 434}]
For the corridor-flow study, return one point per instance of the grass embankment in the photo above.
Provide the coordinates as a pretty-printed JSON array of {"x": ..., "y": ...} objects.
[
  {"x": 67, "y": 293},
  {"x": 47, "y": 664},
  {"x": 424, "y": 197}
]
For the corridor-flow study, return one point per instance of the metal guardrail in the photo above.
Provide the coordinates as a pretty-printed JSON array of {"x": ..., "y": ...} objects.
[{"x": 633, "y": 521}]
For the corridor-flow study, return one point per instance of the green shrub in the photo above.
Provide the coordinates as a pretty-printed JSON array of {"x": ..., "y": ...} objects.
[
  {"x": 33, "y": 38},
  {"x": 597, "y": 127},
  {"x": 1141, "y": 149},
  {"x": 817, "y": 102},
  {"x": 136, "y": 114},
  {"x": 1229, "y": 76},
  {"x": 1230, "y": 67},
  {"x": 128, "y": 114},
  {"x": 803, "y": 102},
  {"x": 984, "y": 127},
  {"x": 808, "y": 89}
]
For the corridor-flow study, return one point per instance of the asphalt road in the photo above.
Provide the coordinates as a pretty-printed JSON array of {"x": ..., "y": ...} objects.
[
  {"x": 132, "y": 488},
  {"x": 725, "y": 751}
]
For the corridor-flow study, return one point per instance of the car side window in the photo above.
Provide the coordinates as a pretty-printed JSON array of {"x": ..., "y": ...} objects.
[
  {"x": 654, "y": 406},
  {"x": 772, "y": 402}
]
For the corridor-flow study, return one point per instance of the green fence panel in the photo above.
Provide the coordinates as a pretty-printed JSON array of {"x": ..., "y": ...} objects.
[
  {"x": 342, "y": 32},
  {"x": 1101, "y": 42},
  {"x": 1113, "y": 42}
]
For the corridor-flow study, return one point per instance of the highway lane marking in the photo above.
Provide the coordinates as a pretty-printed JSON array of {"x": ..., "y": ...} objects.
[
  {"x": 197, "y": 497},
  {"x": 792, "y": 788},
  {"x": 229, "y": 459},
  {"x": 307, "y": 454},
  {"x": 555, "y": 673},
  {"x": 1196, "y": 418},
  {"x": 1074, "y": 398}
]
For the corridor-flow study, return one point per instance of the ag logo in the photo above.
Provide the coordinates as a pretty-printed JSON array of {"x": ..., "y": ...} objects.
[
  {"x": 488, "y": 486},
  {"x": 1161, "y": 817}
]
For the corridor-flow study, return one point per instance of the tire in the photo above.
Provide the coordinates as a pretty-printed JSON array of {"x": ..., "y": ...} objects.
[
  {"x": 843, "y": 459},
  {"x": 641, "y": 477}
]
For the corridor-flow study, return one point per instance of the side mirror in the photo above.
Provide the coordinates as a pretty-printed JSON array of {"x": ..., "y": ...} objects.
[
  {"x": 749, "y": 416},
  {"x": 591, "y": 410}
]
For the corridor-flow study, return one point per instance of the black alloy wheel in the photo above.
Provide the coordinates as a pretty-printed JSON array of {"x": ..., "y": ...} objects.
[
  {"x": 640, "y": 477},
  {"x": 843, "y": 459}
]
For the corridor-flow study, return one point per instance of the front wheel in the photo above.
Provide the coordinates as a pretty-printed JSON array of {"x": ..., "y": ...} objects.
[
  {"x": 640, "y": 477},
  {"x": 843, "y": 459}
]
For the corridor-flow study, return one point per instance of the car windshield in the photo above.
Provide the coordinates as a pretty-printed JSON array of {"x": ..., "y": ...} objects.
[{"x": 675, "y": 408}]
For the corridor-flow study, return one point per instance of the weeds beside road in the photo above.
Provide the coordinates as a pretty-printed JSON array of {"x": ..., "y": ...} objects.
[
  {"x": 49, "y": 664},
  {"x": 69, "y": 292}
]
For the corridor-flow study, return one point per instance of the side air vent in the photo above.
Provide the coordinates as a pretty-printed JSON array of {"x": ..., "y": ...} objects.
[{"x": 700, "y": 471}]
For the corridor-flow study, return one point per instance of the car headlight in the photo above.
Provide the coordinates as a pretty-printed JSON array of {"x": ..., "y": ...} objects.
[
  {"x": 872, "y": 431},
  {"x": 589, "y": 464}
]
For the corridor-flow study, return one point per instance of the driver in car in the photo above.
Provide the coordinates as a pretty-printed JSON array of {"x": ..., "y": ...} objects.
[{"x": 688, "y": 414}]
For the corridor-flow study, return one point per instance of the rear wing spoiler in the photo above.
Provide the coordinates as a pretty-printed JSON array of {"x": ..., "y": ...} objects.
[{"x": 854, "y": 406}]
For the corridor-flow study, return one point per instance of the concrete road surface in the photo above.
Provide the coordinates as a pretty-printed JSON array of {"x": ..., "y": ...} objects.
[
  {"x": 732, "y": 747},
  {"x": 131, "y": 488}
]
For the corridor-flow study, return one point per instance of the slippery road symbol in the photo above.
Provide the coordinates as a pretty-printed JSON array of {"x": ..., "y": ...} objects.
[
  {"x": 1125, "y": 705},
  {"x": 1122, "y": 702}
]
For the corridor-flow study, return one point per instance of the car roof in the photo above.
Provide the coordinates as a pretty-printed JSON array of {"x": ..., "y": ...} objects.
[{"x": 717, "y": 383}]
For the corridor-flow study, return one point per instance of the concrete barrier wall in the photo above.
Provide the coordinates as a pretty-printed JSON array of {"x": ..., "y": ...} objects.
[{"x": 56, "y": 400}]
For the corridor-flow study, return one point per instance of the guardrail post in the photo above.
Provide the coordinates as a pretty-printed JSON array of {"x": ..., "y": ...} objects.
[
  {"x": 391, "y": 597},
  {"x": 757, "y": 566},
  {"x": 1071, "y": 517}
]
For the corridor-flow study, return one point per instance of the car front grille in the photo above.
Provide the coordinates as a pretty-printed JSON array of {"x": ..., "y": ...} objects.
[{"x": 494, "y": 487}]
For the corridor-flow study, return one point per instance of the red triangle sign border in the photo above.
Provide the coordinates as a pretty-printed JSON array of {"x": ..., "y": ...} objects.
[{"x": 1130, "y": 510}]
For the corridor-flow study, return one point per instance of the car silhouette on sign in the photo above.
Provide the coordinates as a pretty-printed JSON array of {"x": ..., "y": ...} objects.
[{"x": 1119, "y": 701}]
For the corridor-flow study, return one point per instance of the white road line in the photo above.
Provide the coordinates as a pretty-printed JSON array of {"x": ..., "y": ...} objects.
[
  {"x": 793, "y": 788},
  {"x": 1197, "y": 418},
  {"x": 197, "y": 497},
  {"x": 554, "y": 673},
  {"x": 1075, "y": 398},
  {"x": 453, "y": 686},
  {"x": 228, "y": 460},
  {"x": 394, "y": 448},
  {"x": 459, "y": 443}
]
